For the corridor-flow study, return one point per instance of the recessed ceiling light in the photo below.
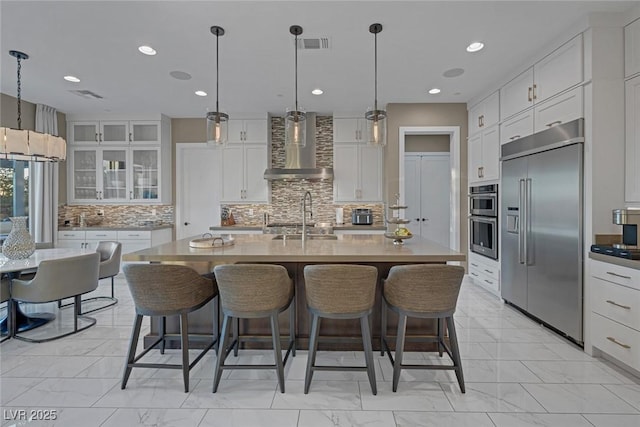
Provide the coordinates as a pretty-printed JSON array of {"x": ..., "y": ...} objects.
[
  {"x": 317, "y": 92},
  {"x": 201, "y": 93},
  {"x": 73, "y": 79},
  {"x": 180, "y": 75},
  {"x": 147, "y": 50},
  {"x": 475, "y": 46},
  {"x": 434, "y": 91},
  {"x": 453, "y": 72}
]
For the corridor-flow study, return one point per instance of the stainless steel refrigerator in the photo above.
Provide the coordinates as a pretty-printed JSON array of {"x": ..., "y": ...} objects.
[{"x": 541, "y": 231}]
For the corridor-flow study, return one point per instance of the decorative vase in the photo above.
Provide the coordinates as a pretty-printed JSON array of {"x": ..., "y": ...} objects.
[{"x": 19, "y": 243}]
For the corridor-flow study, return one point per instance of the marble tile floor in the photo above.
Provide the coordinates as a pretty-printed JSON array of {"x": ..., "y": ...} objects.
[{"x": 517, "y": 374}]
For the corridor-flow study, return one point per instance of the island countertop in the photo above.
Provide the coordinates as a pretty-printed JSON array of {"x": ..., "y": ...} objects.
[{"x": 263, "y": 248}]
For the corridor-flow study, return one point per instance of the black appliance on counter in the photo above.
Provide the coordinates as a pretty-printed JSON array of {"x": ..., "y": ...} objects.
[
  {"x": 629, "y": 219},
  {"x": 361, "y": 216}
]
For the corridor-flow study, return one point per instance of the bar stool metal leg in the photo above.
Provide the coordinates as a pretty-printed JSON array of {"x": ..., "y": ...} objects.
[
  {"x": 277, "y": 350},
  {"x": 133, "y": 345},
  {"x": 368, "y": 352},
  {"x": 455, "y": 350},
  {"x": 397, "y": 366},
  {"x": 383, "y": 329},
  {"x": 184, "y": 341},
  {"x": 313, "y": 346},
  {"x": 222, "y": 355}
]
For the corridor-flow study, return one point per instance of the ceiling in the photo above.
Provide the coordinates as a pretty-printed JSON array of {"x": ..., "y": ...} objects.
[{"x": 97, "y": 42}]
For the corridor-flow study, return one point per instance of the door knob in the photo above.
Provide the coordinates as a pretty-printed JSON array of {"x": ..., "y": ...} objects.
[
  {"x": 418, "y": 219},
  {"x": 186, "y": 223},
  {"x": 423, "y": 219}
]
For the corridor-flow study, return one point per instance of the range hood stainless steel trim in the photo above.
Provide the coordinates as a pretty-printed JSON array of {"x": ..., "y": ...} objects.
[{"x": 300, "y": 162}]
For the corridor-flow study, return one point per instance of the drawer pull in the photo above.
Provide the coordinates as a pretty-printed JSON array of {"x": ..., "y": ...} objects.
[
  {"x": 474, "y": 274},
  {"x": 514, "y": 137},
  {"x": 613, "y": 340},
  {"x": 488, "y": 281},
  {"x": 619, "y": 275},
  {"x": 626, "y": 307},
  {"x": 133, "y": 235},
  {"x": 488, "y": 271},
  {"x": 475, "y": 265},
  {"x": 557, "y": 122}
]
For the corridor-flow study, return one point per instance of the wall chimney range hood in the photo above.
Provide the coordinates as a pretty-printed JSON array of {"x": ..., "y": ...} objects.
[{"x": 300, "y": 162}]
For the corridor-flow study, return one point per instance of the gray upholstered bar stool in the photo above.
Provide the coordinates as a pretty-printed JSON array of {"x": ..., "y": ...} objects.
[
  {"x": 168, "y": 290},
  {"x": 340, "y": 291},
  {"x": 249, "y": 291},
  {"x": 427, "y": 291}
]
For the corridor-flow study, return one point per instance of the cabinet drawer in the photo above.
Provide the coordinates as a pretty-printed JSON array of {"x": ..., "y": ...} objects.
[
  {"x": 616, "y": 302},
  {"x": 490, "y": 283},
  {"x": 485, "y": 268},
  {"x": 616, "y": 340},
  {"x": 134, "y": 235},
  {"x": 71, "y": 235},
  {"x": 616, "y": 274},
  {"x": 516, "y": 127},
  {"x": 102, "y": 235}
]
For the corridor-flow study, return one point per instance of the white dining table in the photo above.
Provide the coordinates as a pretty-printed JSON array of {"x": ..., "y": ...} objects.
[{"x": 13, "y": 267}]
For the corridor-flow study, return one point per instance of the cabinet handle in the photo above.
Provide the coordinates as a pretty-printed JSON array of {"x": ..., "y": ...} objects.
[
  {"x": 626, "y": 307},
  {"x": 479, "y": 174},
  {"x": 557, "y": 122},
  {"x": 100, "y": 137},
  {"x": 475, "y": 265},
  {"x": 615, "y": 341},
  {"x": 488, "y": 281},
  {"x": 529, "y": 97},
  {"x": 618, "y": 275},
  {"x": 96, "y": 136},
  {"x": 535, "y": 96},
  {"x": 514, "y": 137},
  {"x": 488, "y": 271},
  {"x": 474, "y": 274},
  {"x": 133, "y": 235},
  {"x": 130, "y": 137},
  {"x": 482, "y": 120},
  {"x": 97, "y": 198}
]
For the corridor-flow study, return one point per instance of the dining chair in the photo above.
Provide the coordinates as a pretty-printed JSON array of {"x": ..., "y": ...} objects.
[
  {"x": 426, "y": 291},
  {"x": 110, "y": 253},
  {"x": 55, "y": 280},
  {"x": 4, "y": 297}
]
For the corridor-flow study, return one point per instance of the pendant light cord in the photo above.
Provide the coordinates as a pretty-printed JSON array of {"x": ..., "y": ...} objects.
[
  {"x": 375, "y": 73},
  {"x": 19, "y": 96},
  {"x": 295, "y": 49},
  {"x": 217, "y": 78}
]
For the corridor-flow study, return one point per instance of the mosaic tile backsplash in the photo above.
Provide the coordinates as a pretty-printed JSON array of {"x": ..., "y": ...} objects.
[
  {"x": 286, "y": 196},
  {"x": 115, "y": 215}
]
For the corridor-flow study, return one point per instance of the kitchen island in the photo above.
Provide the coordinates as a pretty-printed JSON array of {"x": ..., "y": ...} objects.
[{"x": 294, "y": 254}]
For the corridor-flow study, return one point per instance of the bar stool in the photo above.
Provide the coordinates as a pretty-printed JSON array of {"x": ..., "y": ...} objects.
[
  {"x": 427, "y": 291},
  {"x": 340, "y": 291},
  {"x": 253, "y": 291},
  {"x": 167, "y": 290}
]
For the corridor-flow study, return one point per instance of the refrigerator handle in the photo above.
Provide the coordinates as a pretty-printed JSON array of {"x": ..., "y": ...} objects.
[
  {"x": 527, "y": 224},
  {"x": 522, "y": 224}
]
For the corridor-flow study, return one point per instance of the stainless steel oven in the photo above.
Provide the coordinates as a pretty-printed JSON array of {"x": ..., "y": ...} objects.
[
  {"x": 483, "y": 220},
  {"x": 483, "y": 232},
  {"x": 483, "y": 200}
]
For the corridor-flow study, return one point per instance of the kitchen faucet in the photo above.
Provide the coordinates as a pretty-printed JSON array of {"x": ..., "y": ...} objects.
[{"x": 304, "y": 213}]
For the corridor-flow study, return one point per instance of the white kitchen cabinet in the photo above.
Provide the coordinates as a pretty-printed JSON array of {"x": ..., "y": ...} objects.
[
  {"x": 632, "y": 140},
  {"x": 484, "y": 156},
  {"x": 632, "y": 48},
  {"x": 559, "y": 109},
  {"x": 357, "y": 169},
  {"x": 615, "y": 311},
  {"x": 349, "y": 129},
  {"x": 243, "y": 168},
  {"x": 248, "y": 130},
  {"x": 556, "y": 72},
  {"x": 114, "y": 132},
  {"x": 484, "y": 114},
  {"x": 485, "y": 272},
  {"x": 135, "y": 168},
  {"x": 84, "y": 239}
]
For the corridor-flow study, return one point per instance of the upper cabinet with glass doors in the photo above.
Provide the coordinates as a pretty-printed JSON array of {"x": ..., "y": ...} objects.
[{"x": 119, "y": 161}]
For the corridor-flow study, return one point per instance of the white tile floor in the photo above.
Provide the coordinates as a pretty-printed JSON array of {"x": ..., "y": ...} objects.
[{"x": 517, "y": 374}]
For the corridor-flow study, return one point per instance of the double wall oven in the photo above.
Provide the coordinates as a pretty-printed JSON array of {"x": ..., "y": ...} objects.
[{"x": 483, "y": 220}]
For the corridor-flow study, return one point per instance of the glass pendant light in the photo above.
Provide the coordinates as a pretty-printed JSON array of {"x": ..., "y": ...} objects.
[
  {"x": 295, "y": 123},
  {"x": 376, "y": 119},
  {"x": 217, "y": 121}
]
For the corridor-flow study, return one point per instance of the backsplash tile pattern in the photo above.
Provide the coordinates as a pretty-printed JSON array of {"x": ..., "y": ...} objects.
[
  {"x": 116, "y": 215},
  {"x": 287, "y": 195}
]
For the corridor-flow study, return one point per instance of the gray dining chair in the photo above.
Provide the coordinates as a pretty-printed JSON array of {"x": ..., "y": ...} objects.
[
  {"x": 110, "y": 253},
  {"x": 4, "y": 297},
  {"x": 56, "y": 280}
]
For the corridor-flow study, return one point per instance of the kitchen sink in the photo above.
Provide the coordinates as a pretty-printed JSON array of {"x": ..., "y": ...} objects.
[{"x": 309, "y": 236}]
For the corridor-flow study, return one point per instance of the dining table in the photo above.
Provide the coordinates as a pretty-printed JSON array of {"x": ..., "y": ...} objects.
[{"x": 12, "y": 268}]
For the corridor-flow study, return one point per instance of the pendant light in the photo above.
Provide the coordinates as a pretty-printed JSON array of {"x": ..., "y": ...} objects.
[
  {"x": 376, "y": 119},
  {"x": 29, "y": 145},
  {"x": 295, "y": 128},
  {"x": 217, "y": 122}
]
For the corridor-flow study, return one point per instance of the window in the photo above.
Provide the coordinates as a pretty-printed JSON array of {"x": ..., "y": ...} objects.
[{"x": 14, "y": 191}]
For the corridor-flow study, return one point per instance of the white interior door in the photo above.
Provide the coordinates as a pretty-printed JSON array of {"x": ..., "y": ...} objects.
[
  {"x": 435, "y": 179},
  {"x": 198, "y": 189},
  {"x": 427, "y": 195}
]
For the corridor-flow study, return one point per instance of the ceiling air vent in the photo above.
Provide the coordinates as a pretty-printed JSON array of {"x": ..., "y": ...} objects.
[
  {"x": 316, "y": 43},
  {"x": 86, "y": 94}
]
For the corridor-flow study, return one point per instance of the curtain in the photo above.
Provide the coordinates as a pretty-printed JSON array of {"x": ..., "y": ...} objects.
[{"x": 43, "y": 184}]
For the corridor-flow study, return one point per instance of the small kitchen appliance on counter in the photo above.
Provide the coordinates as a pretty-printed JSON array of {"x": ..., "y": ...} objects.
[
  {"x": 361, "y": 216},
  {"x": 629, "y": 219}
]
